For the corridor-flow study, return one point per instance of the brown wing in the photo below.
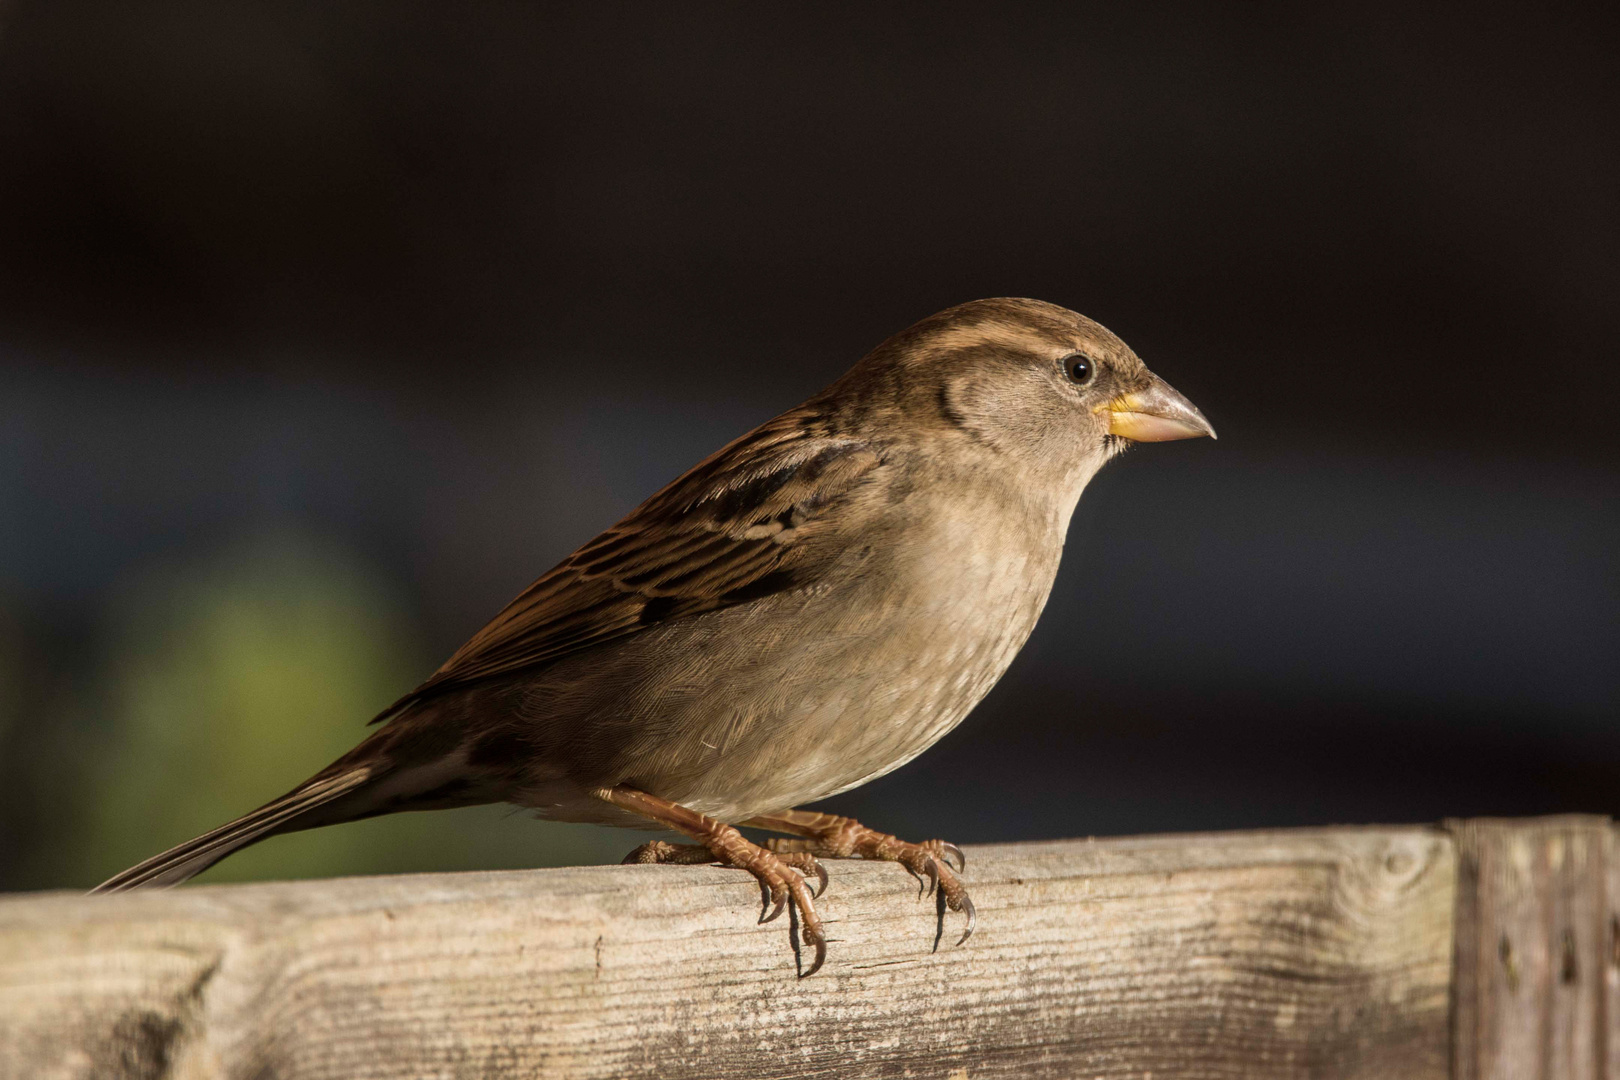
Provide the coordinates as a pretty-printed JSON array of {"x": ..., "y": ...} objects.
[{"x": 749, "y": 521}]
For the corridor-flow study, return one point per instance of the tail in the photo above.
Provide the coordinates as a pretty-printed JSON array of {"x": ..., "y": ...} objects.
[{"x": 300, "y": 808}]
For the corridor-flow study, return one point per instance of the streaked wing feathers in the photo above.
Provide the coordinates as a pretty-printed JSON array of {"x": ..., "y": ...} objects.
[{"x": 741, "y": 525}]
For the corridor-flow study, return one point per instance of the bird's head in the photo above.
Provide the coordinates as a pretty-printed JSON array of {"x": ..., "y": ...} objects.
[{"x": 1029, "y": 381}]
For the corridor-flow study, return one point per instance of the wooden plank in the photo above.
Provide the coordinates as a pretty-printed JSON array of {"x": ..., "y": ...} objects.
[
  {"x": 1322, "y": 953},
  {"x": 1534, "y": 949},
  {"x": 1608, "y": 959}
]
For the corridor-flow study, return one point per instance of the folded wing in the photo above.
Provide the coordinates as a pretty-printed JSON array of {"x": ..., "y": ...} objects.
[{"x": 764, "y": 515}]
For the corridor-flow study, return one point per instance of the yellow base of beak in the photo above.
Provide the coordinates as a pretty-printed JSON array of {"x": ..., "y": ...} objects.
[{"x": 1157, "y": 414}]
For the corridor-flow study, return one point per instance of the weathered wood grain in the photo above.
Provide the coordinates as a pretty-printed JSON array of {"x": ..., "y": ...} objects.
[
  {"x": 1313, "y": 953},
  {"x": 1607, "y": 959},
  {"x": 1534, "y": 949}
]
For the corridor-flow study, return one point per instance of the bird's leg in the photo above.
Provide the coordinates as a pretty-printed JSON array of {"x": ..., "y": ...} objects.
[
  {"x": 831, "y": 836},
  {"x": 781, "y": 876}
]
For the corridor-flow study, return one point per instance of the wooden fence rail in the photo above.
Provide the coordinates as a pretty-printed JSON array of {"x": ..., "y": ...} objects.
[{"x": 1482, "y": 949}]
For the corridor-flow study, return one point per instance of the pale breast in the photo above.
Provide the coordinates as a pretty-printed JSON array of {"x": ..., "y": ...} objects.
[
  {"x": 957, "y": 619},
  {"x": 837, "y": 688},
  {"x": 802, "y": 695}
]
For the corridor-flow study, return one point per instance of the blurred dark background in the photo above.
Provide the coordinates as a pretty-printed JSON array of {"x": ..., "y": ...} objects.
[{"x": 324, "y": 328}]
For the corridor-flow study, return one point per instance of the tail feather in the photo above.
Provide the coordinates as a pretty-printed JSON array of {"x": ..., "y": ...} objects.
[{"x": 191, "y": 858}]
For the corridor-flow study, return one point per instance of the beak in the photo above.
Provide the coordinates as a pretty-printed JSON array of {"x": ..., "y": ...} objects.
[{"x": 1156, "y": 414}]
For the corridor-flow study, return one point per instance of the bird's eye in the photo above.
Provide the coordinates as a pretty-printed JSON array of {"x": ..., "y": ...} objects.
[{"x": 1080, "y": 369}]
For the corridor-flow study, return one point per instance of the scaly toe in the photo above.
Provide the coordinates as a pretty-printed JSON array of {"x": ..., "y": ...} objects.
[
  {"x": 661, "y": 851},
  {"x": 810, "y": 929},
  {"x": 646, "y": 853},
  {"x": 808, "y": 865}
]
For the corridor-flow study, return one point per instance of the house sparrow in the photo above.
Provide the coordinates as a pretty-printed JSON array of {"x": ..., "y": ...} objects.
[{"x": 807, "y": 609}]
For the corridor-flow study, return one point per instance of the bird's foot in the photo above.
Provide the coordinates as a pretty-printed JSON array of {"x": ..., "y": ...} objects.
[
  {"x": 782, "y": 877},
  {"x": 661, "y": 851},
  {"x": 830, "y": 836}
]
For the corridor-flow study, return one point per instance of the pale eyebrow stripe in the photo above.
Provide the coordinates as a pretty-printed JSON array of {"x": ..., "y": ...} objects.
[{"x": 963, "y": 337}]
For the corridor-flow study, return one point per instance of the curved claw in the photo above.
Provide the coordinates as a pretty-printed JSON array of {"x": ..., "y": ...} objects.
[
  {"x": 822, "y": 879},
  {"x": 948, "y": 848},
  {"x": 972, "y": 919},
  {"x": 821, "y": 955},
  {"x": 805, "y": 865},
  {"x": 781, "y": 902}
]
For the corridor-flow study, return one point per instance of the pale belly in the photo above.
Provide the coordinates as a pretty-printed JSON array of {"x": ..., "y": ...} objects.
[{"x": 786, "y": 701}]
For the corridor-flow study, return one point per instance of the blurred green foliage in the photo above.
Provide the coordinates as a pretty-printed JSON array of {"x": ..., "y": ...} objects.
[{"x": 225, "y": 682}]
